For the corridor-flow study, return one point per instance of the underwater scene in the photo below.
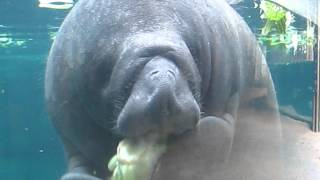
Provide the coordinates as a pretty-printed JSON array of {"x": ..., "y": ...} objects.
[{"x": 30, "y": 147}]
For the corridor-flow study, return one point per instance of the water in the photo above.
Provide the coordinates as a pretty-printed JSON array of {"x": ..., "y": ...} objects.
[
  {"x": 29, "y": 146},
  {"x": 299, "y": 93}
]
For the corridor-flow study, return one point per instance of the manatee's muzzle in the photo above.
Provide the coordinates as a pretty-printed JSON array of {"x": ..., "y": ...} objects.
[{"x": 160, "y": 102}]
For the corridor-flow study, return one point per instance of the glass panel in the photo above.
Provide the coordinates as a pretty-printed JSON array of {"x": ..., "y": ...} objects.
[
  {"x": 290, "y": 54},
  {"x": 188, "y": 100}
]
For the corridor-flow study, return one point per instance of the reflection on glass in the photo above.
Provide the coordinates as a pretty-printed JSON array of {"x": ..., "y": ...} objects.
[{"x": 264, "y": 134}]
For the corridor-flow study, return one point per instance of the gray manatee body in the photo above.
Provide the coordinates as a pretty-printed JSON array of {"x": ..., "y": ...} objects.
[{"x": 126, "y": 68}]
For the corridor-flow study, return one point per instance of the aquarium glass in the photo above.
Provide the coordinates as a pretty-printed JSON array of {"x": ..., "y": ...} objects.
[{"x": 30, "y": 148}]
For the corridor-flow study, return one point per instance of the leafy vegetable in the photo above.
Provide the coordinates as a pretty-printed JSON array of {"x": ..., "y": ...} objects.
[{"x": 136, "y": 159}]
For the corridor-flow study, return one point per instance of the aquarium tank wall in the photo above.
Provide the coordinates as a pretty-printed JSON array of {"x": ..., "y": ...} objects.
[
  {"x": 30, "y": 147},
  {"x": 289, "y": 43}
]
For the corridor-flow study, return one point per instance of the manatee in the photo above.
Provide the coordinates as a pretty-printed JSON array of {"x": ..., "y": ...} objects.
[{"x": 126, "y": 68}]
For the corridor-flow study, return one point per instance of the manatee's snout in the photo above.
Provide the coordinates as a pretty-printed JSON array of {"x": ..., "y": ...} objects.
[{"x": 160, "y": 102}]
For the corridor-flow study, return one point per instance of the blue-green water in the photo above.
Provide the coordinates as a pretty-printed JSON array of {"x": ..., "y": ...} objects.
[
  {"x": 294, "y": 84},
  {"x": 29, "y": 147}
]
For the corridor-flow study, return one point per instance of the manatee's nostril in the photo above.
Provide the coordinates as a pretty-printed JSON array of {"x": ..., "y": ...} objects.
[
  {"x": 154, "y": 72},
  {"x": 170, "y": 72}
]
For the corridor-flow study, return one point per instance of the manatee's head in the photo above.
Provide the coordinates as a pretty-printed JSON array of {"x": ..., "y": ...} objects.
[{"x": 155, "y": 88}]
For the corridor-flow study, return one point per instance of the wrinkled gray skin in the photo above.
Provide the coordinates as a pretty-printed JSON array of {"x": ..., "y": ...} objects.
[{"x": 125, "y": 68}]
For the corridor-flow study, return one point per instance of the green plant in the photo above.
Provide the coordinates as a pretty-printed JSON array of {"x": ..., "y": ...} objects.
[
  {"x": 277, "y": 19},
  {"x": 278, "y": 30}
]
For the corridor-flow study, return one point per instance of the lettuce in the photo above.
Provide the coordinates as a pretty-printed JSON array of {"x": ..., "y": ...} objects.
[{"x": 136, "y": 159}]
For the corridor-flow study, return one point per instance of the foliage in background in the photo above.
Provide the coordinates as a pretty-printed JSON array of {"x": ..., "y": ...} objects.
[
  {"x": 279, "y": 31},
  {"x": 277, "y": 19}
]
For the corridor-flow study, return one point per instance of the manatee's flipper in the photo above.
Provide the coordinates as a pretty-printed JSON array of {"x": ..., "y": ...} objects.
[
  {"x": 79, "y": 167},
  {"x": 88, "y": 146},
  {"x": 205, "y": 150},
  {"x": 199, "y": 154},
  {"x": 78, "y": 176}
]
